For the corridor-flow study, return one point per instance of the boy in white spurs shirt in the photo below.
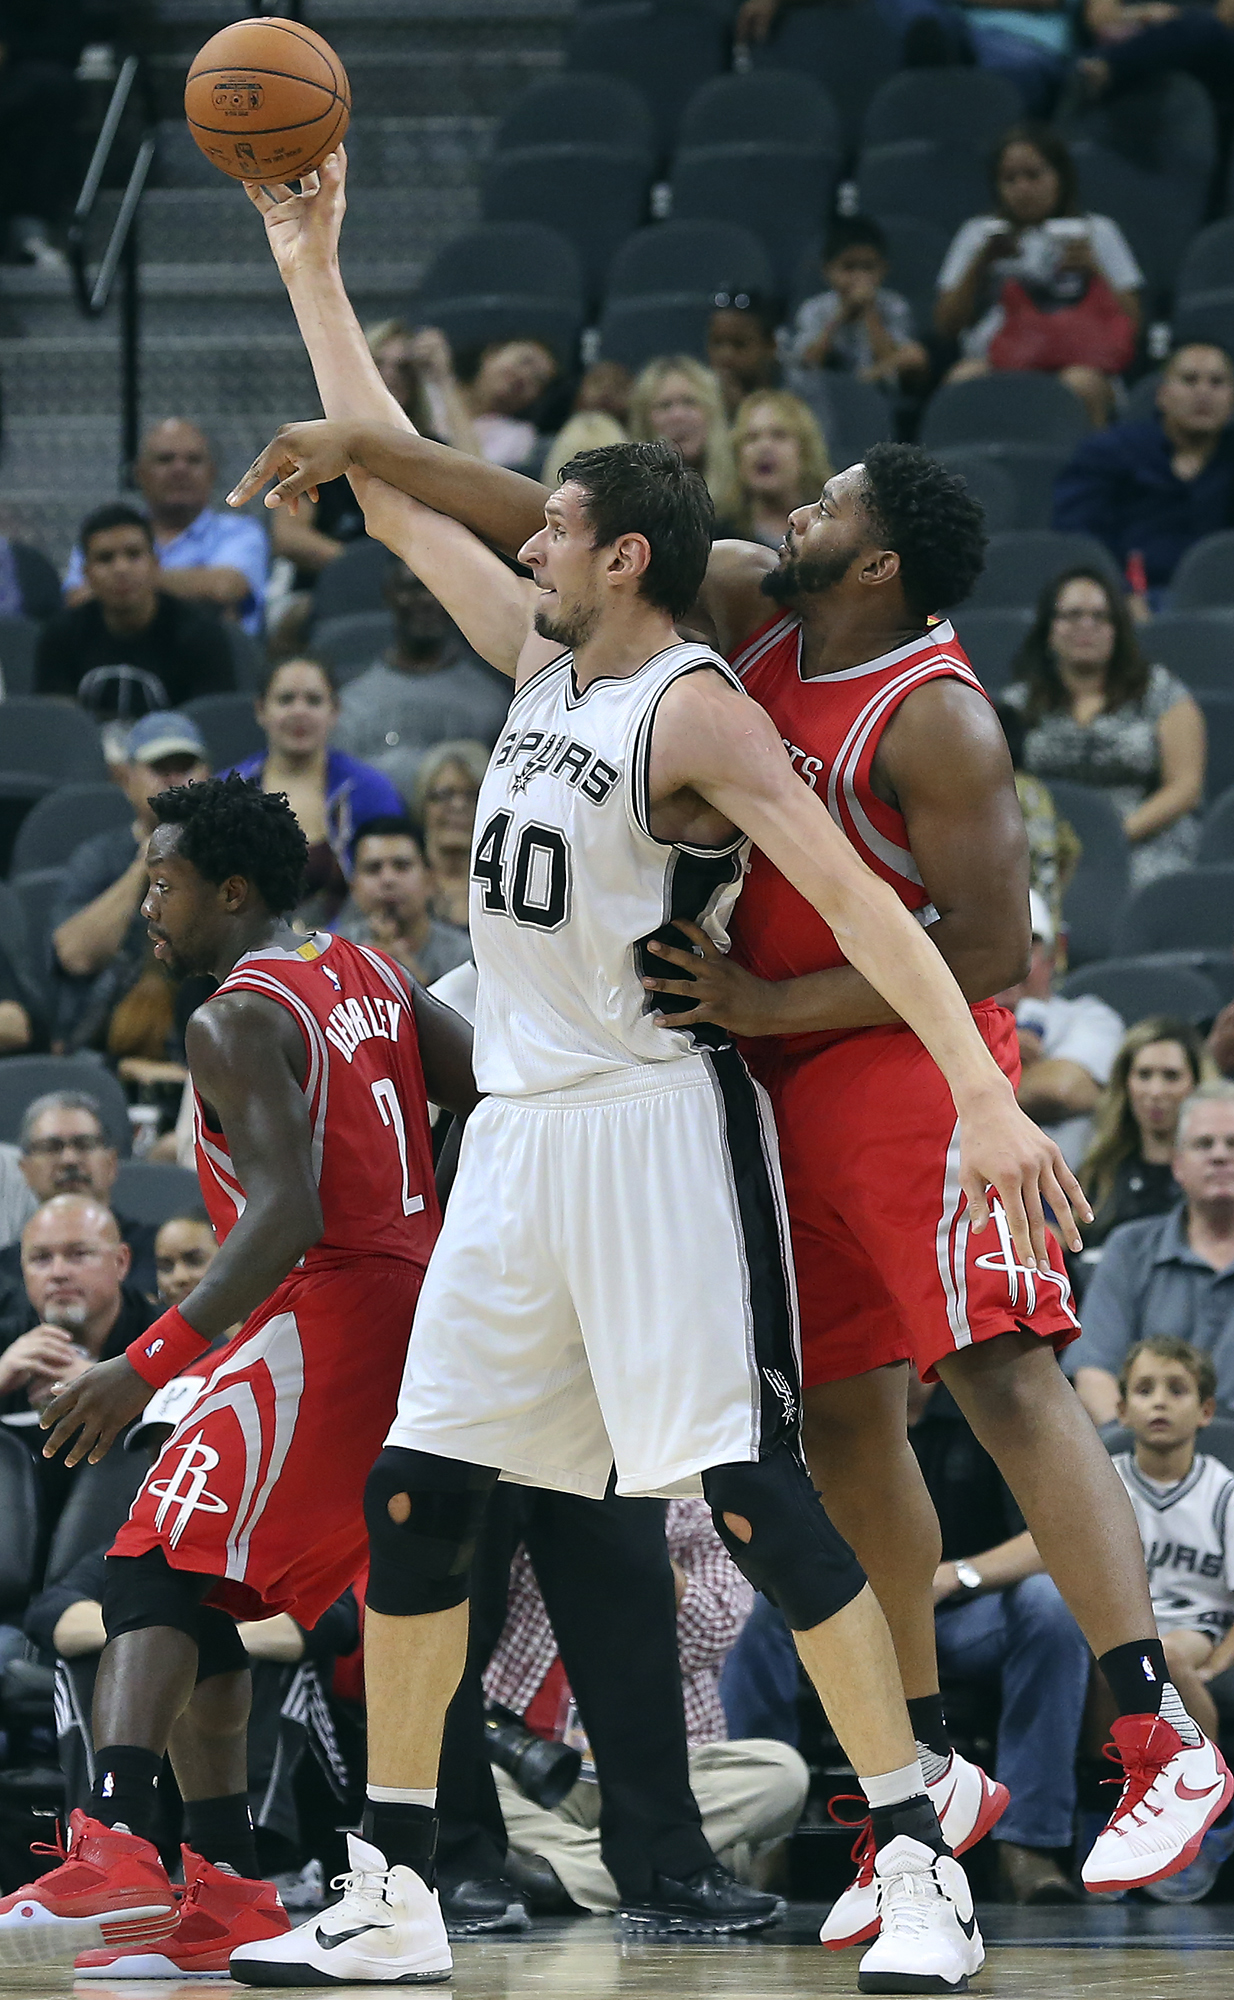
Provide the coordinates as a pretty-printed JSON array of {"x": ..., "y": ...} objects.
[{"x": 1182, "y": 1501}]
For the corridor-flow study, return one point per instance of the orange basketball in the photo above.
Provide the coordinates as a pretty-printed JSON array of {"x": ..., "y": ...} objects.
[{"x": 266, "y": 100}]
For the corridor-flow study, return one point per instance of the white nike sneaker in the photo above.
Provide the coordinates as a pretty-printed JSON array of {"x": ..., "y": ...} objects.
[
  {"x": 387, "y": 1930},
  {"x": 1170, "y": 1797},
  {"x": 968, "y": 1804},
  {"x": 928, "y": 1941}
]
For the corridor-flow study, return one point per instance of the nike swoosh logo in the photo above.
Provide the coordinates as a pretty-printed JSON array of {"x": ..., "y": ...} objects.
[
  {"x": 340, "y": 1937},
  {"x": 1182, "y": 1790},
  {"x": 940, "y": 1810},
  {"x": 969, "y": 1927}
]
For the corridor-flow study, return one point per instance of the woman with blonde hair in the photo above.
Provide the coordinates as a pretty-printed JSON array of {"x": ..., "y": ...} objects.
[
  {"x": 1126, "y": 1171},
  {"x": 677, "y": 399},
  {"x": 444, "y": 804},
  {"x": 782, "y": 463}
]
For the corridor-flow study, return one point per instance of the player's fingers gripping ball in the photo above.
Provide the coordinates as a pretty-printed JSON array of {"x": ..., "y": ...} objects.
[{"x": 266, "y": 100}]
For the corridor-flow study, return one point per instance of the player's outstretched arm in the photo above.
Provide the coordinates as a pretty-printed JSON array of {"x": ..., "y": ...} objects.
[
  {"x": 445, "y": 1053},
  {"x": 246, "y": 1056},
  {"x": 711, "y": 740}
]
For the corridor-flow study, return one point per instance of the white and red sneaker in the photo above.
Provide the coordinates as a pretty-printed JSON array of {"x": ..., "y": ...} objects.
[
  {"x": 968, "y": 1804},
  {"x": 110, "y": 1889},
  {"x": 1171, "y": 1795},
  {"x": 219, "y": 1911}
]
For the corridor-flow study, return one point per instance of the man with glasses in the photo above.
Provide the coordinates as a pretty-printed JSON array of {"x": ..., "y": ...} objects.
[{"x": 65, "y": 1150}]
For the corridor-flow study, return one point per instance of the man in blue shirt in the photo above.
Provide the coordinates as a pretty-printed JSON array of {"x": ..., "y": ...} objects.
[
  {"x": 208, "y": 555},
  {"x": 1154, "y": 488}
]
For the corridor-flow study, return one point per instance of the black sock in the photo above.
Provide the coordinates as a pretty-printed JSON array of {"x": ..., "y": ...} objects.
[
  {"x": 932, "y": 1736},
  {"x": 406, "y": 1835},
  {"x": 915, "y": 1819},
  {"x": 126, "y": 1788},
  {"x": 221, "y": 1831},
  {"x": 1139, "y": 1680}
]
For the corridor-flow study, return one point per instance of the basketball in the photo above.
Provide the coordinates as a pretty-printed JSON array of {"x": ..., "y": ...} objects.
[{"x": 266, "y": 100}]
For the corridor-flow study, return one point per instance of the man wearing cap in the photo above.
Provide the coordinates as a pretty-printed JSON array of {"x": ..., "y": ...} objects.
[
  {"x": 99, "y": 943},
  {"x": 65, "y": 1148},
  {"x": 1067, "y": 1047}
]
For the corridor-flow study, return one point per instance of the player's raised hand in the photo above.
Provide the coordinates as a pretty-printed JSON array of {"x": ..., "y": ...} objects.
[
  {"x": 302, "y": 227},
  {"x": 93, "y": 1410},
  {"x": 1001, "y": 1149},
  {"x": 301, "y": 458}
]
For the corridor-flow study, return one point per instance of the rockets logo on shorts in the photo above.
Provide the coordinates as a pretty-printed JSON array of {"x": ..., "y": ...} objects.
[{"x": 186, "y": 1489}]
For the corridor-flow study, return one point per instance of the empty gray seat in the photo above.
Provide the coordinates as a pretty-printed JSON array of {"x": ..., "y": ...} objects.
[
  {"x": 230, "y": 726},
  {"x": 504, "y": 279},
  {"x": 850, "y": 50},
  {"x": 779, "y": 192},
  {"x": 1206, "y": 316},
  {"x": 595, "y": 195},
  {"x": 666, "y": 51},
  {"x": 62, "y": 819},
  {"x": 1218, "y": 707},
  {"x": 55, "y": 738},
  {"x": 1139, "y": 987},
  {"x": 1205, "y": 576},
  {"x": 23, "y": 1078},
  {"x": 767, "y": 106},
  {"x": 1217, "y": 833},
  {"x": 19, "y": 638},
  {"x": 351, "y": 643},
  {"x": 943, "y": 185},
  {"x": 853, "y": 415},
  {"x": 991, "y": 486},
  {"x": 1208, "y": 262},
  {"x": 353, "y": 582},
  {"x": 1191, "y": 911},
  {"x": 1098, "y": 888},
  {"x": 38, "y": 892},
  {"x": 1155, "y": 214},
  {"x": 1010, "y": 406},
  {"x": 975, "y": 105},
  {"x": 587, "y": 110},
  {"x": 1029, "y": 469},
  {"x": 1198, "y": 646},
  {"x": 20, "y": 792},
  {"x": 992, "y": 639},
  {"x": 155, "y": 1190},
  {"x": 663, "y": 283},
  {"x": 1019, "y": 566}
]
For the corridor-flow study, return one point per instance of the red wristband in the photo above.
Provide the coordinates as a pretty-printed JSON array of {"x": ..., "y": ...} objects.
[{"x": 165, "y": 1348}]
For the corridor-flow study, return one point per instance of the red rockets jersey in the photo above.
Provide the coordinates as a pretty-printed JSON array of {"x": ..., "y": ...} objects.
[
  {"x": 364, "y": 1090},
  {"x": 831, "y": 727}
]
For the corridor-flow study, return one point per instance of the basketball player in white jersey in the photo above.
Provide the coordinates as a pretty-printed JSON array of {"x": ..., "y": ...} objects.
[{"x": 614, "y": 1284}]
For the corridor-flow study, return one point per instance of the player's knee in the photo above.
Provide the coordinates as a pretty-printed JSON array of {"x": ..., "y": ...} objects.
[
  {"x": 791, "y": 1551},
  {"x": 220, "y": 1649},
  {"x": 424, "y": 1516},
  {"x": 144, "y": 1591}
]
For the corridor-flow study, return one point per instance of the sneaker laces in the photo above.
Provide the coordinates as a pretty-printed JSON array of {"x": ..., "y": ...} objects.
[
  {"x": 862, "y": 1850},
  {"x": 907, "y": 1902},
  {"x": 1140, "y": 1774},
  {"x": 360, "y": 1888}
]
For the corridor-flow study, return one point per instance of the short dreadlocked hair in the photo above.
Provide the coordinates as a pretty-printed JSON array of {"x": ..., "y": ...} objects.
[
  {"x": 229, "y": 826},
  {"x": 929, "y": 517}
]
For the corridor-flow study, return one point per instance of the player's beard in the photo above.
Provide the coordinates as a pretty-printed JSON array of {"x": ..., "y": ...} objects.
[
  {"x": 569, "y": 628},
  {"x": 803, "y": 576}
]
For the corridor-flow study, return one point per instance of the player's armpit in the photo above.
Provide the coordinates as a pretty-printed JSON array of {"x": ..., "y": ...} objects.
[
  {"x": 731, "y": 605},
  {"x": 445, "y": 1053}
]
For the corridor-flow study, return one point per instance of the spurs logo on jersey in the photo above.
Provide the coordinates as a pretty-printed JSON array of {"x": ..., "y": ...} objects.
[
  {"x": 569, "y": 881},
  {"x": 185, "y": 1489},
  {"x": 1187, "y": 1544}
]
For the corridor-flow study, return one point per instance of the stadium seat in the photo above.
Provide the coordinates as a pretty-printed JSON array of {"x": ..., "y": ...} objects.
[
  {"x": 351, "y": 643},
  {"x": 852, "y": 414},
  {"x": 248, "y": 656},
  {"x": 1098, "y": 888},
  {"x": 19, "y": 638},
  {"x": 20, "y": 1512},
  {"x": 23, "y": 1078},
  {"x": 1166, "y": 127},
  {"x": 577, "y": 109},
  {"x": 62, "y": 819},
  {"x": 37, "y": 893},
  {"x": 594, "y": 195},
  {"x": 1198, "y": 646},
  {"x": 20, "y": 792},
  {"x": 942, "y": 185},
  {"x": 781, "y": 193},
  {"x": 634, "y": 331},
  {"x": 98, "y": 1504},
  {"x": 850, "y": 50},
  {"x": 1008, "y": 407},
  {"x": 1138, "y": 987},
  {"x": 992, "y": 639},
  {"x": 1019, "y": 566},
  {"x": 1029, "y": 469},
  {"x": 1204, "y": 577},
  {"x": 1218, "y": 707},
  {"x": 991, "y": 485},
  {"x": 353, "y": 582},
  {"x": 504, "y": 279},
  {"x": 663, "y": 283},
  {"x": 155, "y": 1190},
  {"x": 1157, "y": 215},
  {"x": 666, "y": 51},
  {"x": 1208, "y": 263},
  {"x": 13, "y": 923},
  {"x": 1207, "y": 316},
  {"x": 1217, "y": 833},
  {"x": 972, "y": 107},
  {"x": 763, "y": 107},
  {"x": 230, "y": 726},
  {"x": 50, "y": 736},
  {"x": 1190, "y": 911}
]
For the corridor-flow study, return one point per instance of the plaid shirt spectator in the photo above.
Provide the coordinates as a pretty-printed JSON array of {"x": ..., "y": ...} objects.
[{"x": 715, "y": 1606}]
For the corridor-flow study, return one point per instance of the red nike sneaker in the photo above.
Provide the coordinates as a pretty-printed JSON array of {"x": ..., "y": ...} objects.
[
  {"x": 110, "y": 1889},
  {"x": 219, "y": 1911},
  {"x": 1172, "y": 1792}
]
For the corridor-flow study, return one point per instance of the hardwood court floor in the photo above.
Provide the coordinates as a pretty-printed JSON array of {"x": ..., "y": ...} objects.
[{"x": 1110, "y": 1953}]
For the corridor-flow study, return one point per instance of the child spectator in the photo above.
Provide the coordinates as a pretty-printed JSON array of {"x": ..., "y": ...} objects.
[
  {"x": 741, "y": 346},
  {"x": 857, "y": 325},
  {"x": 1167, "y": 1396}
]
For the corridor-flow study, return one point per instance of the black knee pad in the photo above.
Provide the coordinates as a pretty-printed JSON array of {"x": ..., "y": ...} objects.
[
  {"x": 220, "y": 1649},
  {"x": 140, "y": 1591},
  {"x": 421, "y": 1564},
  {"x": 794, "y": 1555}
]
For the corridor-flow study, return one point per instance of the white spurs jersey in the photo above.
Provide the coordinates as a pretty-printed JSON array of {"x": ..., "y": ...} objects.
[
  {"x": 1188, "y": 1544},
  {"x": 568, "y": 881}
]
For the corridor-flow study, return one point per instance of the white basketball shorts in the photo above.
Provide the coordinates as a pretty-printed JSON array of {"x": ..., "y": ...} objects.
[{"x": 613, "y": 1285}]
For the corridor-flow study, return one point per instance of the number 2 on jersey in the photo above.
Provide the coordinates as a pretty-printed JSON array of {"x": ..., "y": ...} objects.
[
  {"x": 391, "y": 1110},
  {"x": 539, "y": 887}
]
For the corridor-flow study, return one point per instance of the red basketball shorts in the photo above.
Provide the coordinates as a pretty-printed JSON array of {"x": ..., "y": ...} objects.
[
  {"x": 888, "y": 1268},
  {"x": 262, "y": 1482}
]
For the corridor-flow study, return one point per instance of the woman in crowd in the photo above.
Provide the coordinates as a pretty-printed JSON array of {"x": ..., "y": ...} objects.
[
  {"x": 1053, "y": 845},
  {"x": 184, "y": 1249},
  {"x": 329, "y": 792},
  {"x": 447, "y": 787},
  {"x": 1096, "y": 713},
  {"x": 782, "y": 463},
  {"x": 1040, "y": 275},
  {"x": 676, "y": 398},
  {"x": 1126, "y": 1171},
  {"x": 502, "y": 385}
]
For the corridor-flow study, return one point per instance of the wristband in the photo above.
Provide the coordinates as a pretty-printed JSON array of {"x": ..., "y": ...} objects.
[{"x": 165, "y": 1348}]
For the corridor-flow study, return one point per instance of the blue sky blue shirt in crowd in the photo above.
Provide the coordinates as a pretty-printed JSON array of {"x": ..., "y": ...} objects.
[
  {"x": 218, "y": 538},
  {"x": 1121, "y": 486},
  {"x": 354, "y": 792}
]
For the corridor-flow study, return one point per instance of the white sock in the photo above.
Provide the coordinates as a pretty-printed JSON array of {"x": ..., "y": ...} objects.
[
  {"x": 1172, "y": 1711},
  {"x": 403, "y": 1795},
  {"x": 893, "y": 1788}
]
